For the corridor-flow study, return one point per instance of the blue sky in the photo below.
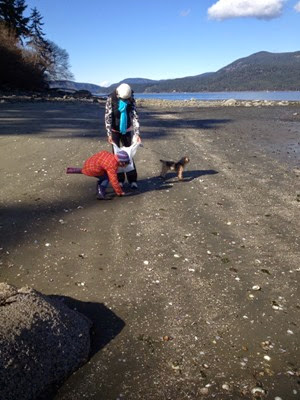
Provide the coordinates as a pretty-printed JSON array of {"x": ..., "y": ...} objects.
[{"x": 108, "y": 41}]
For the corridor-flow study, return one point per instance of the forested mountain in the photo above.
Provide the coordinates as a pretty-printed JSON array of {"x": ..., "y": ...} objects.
[
  {"x": 259, "y": 71},
  {"x": 138, "y": 84}
]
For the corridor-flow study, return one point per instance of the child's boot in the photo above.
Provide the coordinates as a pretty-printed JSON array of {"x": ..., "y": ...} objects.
[{"x": 101, "y": 190}]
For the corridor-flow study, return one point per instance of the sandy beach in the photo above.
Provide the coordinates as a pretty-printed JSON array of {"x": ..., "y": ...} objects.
[{"x": 193, "y": 286}]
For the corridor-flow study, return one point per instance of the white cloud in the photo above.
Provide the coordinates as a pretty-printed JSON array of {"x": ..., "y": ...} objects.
[
  {"x": 297, "y": 7},
  {"x": 261, "y": 9},
  {"x": 185, "y": 13}
]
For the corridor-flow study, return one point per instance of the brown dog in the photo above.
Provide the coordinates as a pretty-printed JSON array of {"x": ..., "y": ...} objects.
[{"x": 174, "y": 166}]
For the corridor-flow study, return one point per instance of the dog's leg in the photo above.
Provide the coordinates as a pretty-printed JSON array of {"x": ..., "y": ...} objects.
[
  {"x": 164, "y": 171},
  {"x": 180, "y": 172}
]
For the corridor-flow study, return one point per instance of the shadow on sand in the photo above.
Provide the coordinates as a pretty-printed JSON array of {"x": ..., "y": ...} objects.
[
  {"x": 158, "y": 183},
  {"x": 106, "y": 326}
]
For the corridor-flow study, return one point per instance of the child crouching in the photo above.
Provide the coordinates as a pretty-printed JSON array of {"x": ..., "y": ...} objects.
[{"x": 104, "y": 166}]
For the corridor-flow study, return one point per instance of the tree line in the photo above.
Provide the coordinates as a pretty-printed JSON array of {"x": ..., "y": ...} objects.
[{"x": 28, "y": 59}]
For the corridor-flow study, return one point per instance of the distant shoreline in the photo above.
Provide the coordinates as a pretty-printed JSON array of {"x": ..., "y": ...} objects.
[
  {"x": 216, "y": 103},
  {"x": 141, "y": 102},
  {"x": 224, "y": 95}
]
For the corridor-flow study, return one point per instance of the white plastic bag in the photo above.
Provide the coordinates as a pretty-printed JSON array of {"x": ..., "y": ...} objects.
[{"x": 130, "y": 151}]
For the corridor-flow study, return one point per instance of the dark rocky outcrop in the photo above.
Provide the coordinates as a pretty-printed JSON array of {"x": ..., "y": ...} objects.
[
  {"x": 42, "y": 341},
  {"x": 82, "y": 94}
]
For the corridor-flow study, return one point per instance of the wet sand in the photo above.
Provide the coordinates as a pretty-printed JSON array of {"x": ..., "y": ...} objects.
[{"x": 193, "y": 286}]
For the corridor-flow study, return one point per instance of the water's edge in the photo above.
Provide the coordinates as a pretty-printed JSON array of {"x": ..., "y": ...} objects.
[
  {"x": 210, "y": 96},
  {"x": 214, "y": 96}
]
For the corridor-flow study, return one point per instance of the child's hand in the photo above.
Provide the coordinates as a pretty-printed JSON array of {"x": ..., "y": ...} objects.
[
  {"x": 109, "y": 139},
  {"x": 137, "y": 139}
]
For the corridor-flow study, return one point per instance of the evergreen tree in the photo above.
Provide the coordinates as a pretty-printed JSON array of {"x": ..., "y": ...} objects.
[
  {"x": 11, "y": 14},
  {"x": 37, "y": 42},
  {"x": 35, "y": 26},
  {"x": 52, "y": 60}
]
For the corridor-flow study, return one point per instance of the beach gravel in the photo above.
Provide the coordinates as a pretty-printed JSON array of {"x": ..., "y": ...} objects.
[{"x": 193, "y": 286}]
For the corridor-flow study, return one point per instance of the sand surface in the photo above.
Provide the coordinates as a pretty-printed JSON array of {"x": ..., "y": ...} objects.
[{"x": 193, "y": 286}]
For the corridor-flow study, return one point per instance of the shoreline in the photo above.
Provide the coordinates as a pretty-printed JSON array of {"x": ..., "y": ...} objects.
[
  {"x": 92, "y": 99},
  {"x": 216, "y": 103}
]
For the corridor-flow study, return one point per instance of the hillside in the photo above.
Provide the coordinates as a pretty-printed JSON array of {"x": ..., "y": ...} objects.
[{"x": 259, "y": 71}]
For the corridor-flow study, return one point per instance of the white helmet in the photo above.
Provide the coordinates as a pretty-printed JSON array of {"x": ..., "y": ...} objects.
[{"x": 124, "y": 91}]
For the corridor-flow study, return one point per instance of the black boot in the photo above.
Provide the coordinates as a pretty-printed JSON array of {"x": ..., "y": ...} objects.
[{"x": 101, "y": 191}]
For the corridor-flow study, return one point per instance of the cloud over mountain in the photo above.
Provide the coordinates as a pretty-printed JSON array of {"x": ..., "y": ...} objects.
[{"x": 260, "y": 9}]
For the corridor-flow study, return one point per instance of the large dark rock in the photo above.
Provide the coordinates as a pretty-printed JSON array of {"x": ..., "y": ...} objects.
[{"x": 42, "y": 341}]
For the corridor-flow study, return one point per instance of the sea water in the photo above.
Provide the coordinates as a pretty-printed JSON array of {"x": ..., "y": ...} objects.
[{"x": 211, "y": 96}]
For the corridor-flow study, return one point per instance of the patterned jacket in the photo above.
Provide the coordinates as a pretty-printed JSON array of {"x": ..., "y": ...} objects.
[
  {"x": 103, "y": 163},
  {"x": 112, "y": 115}
]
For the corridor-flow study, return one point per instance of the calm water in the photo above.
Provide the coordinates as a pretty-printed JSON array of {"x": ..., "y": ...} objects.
[{"x": 289, "y": 96}]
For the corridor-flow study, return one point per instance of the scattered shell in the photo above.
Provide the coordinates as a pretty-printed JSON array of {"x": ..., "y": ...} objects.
[
  {"x": 80, "y": 283},
  {"x": 146, "y": 262},
  {"x": 225, "y": 386},
  {"x": 292, "y": 373},
  {"x": 267, "y": 358},
  {"x": 290, "y": 332},
  {"x": 204, "y": 390},
  {"x": 267, "y": 345},
  {"x": 256, "y": 287},
  {"x": 258, "y": 390},
  {"x": 47, "y": 244},
  {"x": 167, "y": 338},
  {"x": 276, "y": 306}
]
